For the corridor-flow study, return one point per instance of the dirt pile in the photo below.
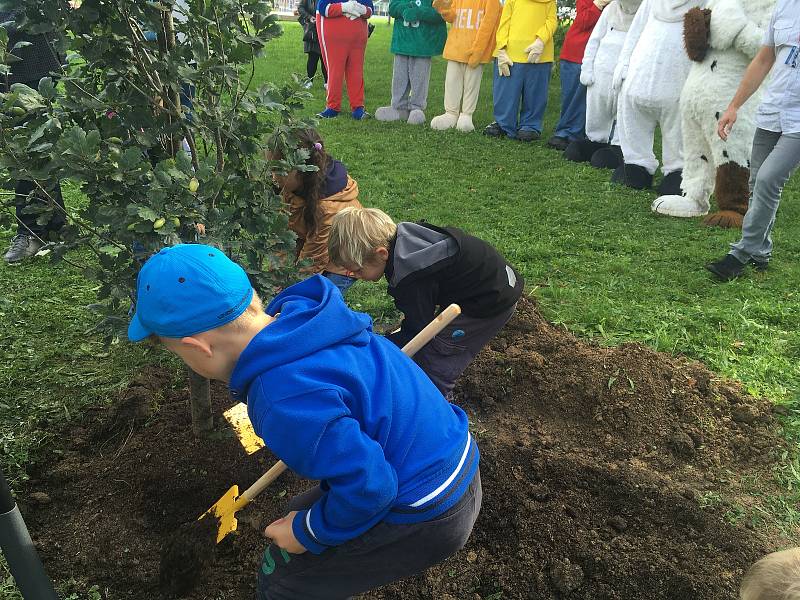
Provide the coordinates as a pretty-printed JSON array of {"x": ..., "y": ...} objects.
[{"x": 596, "y": 465}]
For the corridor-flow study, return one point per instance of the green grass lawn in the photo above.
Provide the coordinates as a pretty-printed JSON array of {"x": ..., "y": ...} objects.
[{"x": 593, "y": 255}]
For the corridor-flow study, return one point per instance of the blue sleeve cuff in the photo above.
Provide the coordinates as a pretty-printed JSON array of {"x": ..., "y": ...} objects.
[{"x": 303, "y": 535}]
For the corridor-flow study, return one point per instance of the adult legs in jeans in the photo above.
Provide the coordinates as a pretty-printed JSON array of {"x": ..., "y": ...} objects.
[
  {"x": 534, "y": 96},
  {"x": 774, "y": 158},
  {"x": 385, "y": 553},
  {"x": 507, "y": 92},
  {"x": 572, "y": 122}
]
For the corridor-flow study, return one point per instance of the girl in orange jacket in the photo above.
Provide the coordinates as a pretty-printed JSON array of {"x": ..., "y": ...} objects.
[
  {"x": 470, "y": 44},
  {"x": 312, "y": 198}
]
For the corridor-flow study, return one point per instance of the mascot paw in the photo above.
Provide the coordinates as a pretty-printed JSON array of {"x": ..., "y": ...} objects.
[
  {"x": 671, "y": 184},
  {"x": 633, "y": 176},
  {"x": 581, "y": 150},
  {"x": 679, "y": 206},
  {"x": 416, "y": 117},
  {"x": 465, "y": 124},
  {"x": 445, "y": 121},
  {"x": 607, "y": 158},
  {"x": 727, "y": 219},
  {"x": 390, "y": 113}
]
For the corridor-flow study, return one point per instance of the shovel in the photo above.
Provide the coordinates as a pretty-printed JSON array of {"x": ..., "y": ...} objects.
[{"x": 226, "y": 507}]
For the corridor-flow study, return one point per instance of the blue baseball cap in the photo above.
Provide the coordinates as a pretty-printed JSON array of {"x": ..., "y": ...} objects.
[{"x": 187, "y": 289}]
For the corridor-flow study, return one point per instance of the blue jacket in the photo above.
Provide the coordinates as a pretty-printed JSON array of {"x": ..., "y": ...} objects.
[{"x": 343, "y": 405}]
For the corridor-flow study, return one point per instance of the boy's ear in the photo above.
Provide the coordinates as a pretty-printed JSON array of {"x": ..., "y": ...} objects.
[
  {"x": 199, "y": 344},
  {"x": 382, "y": 253}
]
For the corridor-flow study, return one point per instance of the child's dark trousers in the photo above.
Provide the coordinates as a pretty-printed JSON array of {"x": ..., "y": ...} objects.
[
  {"x": 446, "y": 356},
  {"x": 384, "y": 554}
]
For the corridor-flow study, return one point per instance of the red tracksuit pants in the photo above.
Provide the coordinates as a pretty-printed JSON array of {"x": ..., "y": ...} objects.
[{"x": 343, "y": 43}]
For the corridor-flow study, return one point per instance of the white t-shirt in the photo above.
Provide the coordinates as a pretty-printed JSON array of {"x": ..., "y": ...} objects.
[{"x": 780, "y": 105}]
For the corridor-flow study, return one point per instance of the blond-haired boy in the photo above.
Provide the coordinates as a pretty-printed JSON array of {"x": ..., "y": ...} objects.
[
  {"x": 398, "y": 469},
  {"x": 428, "y": 268},
  {"x": 774, "y": 577}
]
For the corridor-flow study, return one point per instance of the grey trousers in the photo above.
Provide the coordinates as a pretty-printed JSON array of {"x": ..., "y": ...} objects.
[
  {"x": 774, "y": 158},
  {"x": 446, "y": 356},
  {"x": 410, "y": 78},
  {"x": 384, "y": 554}
]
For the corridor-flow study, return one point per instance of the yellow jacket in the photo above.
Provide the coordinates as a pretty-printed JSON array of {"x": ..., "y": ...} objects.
[
  {"x": 315, "y": 246},
  {"x": 521, "y": 22},
  {"x": 474, "y": 23}
]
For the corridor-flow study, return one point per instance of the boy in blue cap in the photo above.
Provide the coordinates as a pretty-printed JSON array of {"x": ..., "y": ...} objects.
[{"x": 398, "y": 469}]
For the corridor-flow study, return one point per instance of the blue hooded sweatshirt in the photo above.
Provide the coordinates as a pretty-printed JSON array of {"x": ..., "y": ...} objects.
[{"x": 345, "y": 406}]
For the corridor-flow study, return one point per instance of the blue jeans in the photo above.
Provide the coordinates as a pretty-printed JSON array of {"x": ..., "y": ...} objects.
[
  {"x": 572, "y": 123},
  {"x": 526, "y": 87},
  {"x": 343, "y": 282}
]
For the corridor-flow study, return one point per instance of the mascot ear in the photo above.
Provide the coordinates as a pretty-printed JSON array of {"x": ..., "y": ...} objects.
[{"x": 696, "y": 32}]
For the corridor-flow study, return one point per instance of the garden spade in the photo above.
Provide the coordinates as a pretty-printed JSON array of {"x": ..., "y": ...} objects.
[{"x": 224, "y": 510}]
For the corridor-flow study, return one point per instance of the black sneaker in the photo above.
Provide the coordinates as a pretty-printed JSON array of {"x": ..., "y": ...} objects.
[
  {"x": 22, "y": 246},
  {"x": 493, "y": 129},
  {"x": 759, "y": 265},
  {"x": 526, "y": 135},
  {"x": 727, "y": 268}
]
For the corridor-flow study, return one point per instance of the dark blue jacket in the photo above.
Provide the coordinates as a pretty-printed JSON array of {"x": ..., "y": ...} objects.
[{"x": 343, "y": 405}]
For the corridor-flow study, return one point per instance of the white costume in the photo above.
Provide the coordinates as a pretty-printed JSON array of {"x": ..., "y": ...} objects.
[
  {"x": 597, "y": 71},
  {"x": 734, "y": 36},
  {"x": 650, "y": 74}
]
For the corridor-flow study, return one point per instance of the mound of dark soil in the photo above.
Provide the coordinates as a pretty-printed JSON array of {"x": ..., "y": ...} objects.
[{"x": 595, "y": 463}]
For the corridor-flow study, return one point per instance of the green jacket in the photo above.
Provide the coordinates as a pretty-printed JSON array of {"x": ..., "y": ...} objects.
[{"x": 419, "y": 29}]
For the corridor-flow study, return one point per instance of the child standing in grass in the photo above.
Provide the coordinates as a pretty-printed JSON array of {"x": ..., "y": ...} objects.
[
  {"x": 398, "y": 469},
  {"x": 774, "y": 577},
  {"x": 428, "y": 267},
  {"x": 312, "y": 199}
]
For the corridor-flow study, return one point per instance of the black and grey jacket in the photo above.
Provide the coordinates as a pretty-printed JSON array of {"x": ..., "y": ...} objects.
[
  {"x": 38, "y": 60},
  {"x": 431, "y": 266}
]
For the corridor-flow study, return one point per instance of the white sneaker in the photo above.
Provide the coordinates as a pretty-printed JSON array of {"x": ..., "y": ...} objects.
[{"x": 307, "y": 85}]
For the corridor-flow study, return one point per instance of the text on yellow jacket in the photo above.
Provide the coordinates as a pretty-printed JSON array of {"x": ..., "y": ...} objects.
[
  {"x": 521, "y": 22},
  {"x": 471, "y": 38}
]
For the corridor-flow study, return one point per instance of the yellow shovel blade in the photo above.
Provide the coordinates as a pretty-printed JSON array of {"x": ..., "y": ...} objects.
[
  {"x": 236, "y": 415},
  {"x": 225, "y": 511}
]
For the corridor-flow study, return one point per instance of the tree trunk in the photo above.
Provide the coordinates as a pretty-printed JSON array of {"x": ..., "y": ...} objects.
[{"x": 200, "y": 403}]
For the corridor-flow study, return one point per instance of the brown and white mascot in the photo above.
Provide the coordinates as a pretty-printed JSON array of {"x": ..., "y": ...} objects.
[{"x": 720, "y": 41}]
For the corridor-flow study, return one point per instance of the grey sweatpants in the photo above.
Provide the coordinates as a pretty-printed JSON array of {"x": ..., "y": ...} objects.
[
  {"x": 774, "y": 158},
  {"x": 410, "y": 79},
  {"x": 385, "y": 553},
  {"x": 446, "y": 356}
]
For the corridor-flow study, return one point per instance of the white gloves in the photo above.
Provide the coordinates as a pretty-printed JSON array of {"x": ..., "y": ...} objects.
[
  {"x": 534, "y": 51},
  {"x": 620, "y": 73},
  {"x": 353, "y": 9},
  {"x": 504, "y": 63},
  {"x": 601, "y": 4},
  {"x": 587, "y": 77}
]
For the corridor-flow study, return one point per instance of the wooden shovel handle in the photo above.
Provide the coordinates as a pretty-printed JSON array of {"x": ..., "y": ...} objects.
[{"x": 442, "y": 320}]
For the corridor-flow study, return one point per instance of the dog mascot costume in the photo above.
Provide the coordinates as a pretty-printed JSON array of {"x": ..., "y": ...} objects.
[
  {"x": 721, "y": 41},
  {"x": 342, "y": 31},
  {"x": 419, "y": 33},
  {"x": 470, "y": 44},
  {"x": 601, "y": 145},
  {"x": 650, "y": 74}
]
